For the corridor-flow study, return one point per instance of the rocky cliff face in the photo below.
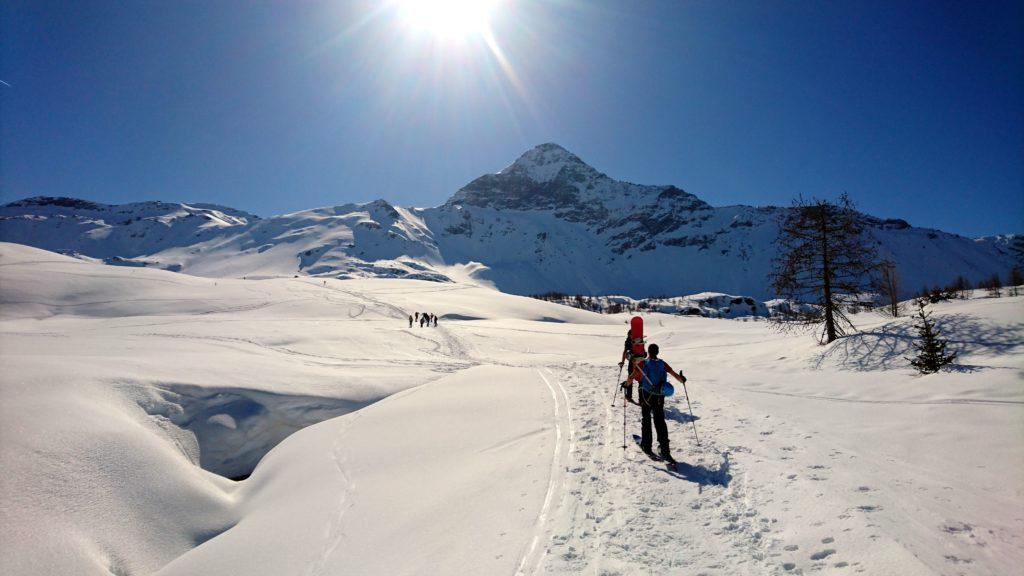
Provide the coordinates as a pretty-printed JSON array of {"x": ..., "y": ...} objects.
[
  {"x": 547, "y": 222},
  {"x": 550, "y": 178}
]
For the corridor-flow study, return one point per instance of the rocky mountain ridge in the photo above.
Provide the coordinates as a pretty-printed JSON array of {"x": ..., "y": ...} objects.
[{"x": 547, "y": 222}]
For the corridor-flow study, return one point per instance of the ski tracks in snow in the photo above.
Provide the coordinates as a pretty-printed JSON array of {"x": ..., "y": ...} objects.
[
  {"x": 760, "y": 496},
  {"x": 534, "y": 557},
  {"x": 622, "y": 513},
  {"x": 333, "y": 531}
]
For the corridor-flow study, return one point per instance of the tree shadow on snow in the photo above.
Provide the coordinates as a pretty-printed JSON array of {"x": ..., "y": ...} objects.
[{"x": 890, "y": 345}]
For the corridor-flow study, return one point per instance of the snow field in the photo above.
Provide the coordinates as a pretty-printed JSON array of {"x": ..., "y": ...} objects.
[
  {"x": 121, "y": 382},
  {"x": 426, "y": 478},
  {"x": 488, "y": 445}
]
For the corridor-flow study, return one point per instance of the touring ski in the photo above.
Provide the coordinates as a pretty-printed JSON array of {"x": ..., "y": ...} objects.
[{"x": 657, "y": 458}]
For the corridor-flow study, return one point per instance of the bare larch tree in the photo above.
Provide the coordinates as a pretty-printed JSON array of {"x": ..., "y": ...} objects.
[
  {"x": 823, "y": 258},
  {"x": 1016, "y": 278},
  {"x": 887, "y": 282}
]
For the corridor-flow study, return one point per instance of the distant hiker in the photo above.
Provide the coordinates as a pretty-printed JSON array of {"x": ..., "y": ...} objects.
[
  {"x": 652, "y": 374},
  {"x": 410, "y": 320},
  {"x": 627, "y": 356},
  {"x": 325, "y": 283},
  {"x": 417, "y": 316},
  {"x": 435, "y": 321},
  {"x": 422, "y": 318}
]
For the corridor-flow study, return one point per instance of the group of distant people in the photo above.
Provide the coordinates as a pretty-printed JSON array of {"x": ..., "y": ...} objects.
[{"x": 423, "y": 318}]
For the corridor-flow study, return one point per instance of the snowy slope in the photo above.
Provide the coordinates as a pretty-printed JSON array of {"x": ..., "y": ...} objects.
[
  {"x": 119, "y": 383},
  {"x": 546, "y": 222},
  {"x": 487, "y": 445},
  {"x": 116, "y": 232},
  {"x": 406, "y": 484}
]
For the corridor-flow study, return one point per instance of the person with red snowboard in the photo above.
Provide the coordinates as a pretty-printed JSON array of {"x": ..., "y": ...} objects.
[{"x": 628, "y": 356}]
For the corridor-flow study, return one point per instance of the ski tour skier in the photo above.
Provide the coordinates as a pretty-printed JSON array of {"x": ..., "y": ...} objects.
[
  {"x": 652, "y": 374},
  {"x": 410, "y": 320},
  {"x": 628, "y": 356}
]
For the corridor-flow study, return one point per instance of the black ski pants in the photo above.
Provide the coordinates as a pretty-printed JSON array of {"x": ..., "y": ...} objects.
[
  {"x": 652, "y": 405},
  {"x": 627, "y": 385}
]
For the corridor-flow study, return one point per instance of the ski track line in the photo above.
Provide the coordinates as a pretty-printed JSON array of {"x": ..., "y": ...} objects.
[
  {"x": 563, "y": 503},
  {"x": 622, "y": 514},
  {"x": 417, "y": 292},
  {"x": 396, "y": 311},
  {"x": 441, "y": 365},
  {"x": 544, "y": 332},
  {"x": 533, "y": 560},
  {"x": 136, "y": 277},
  {"x": 948, "y": 401},
  {"x": 568, "y": 410},
  {"x": 333, "y": 533}
]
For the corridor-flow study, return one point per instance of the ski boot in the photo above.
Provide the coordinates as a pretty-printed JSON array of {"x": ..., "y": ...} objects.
[{"x": 628, "y": 391}]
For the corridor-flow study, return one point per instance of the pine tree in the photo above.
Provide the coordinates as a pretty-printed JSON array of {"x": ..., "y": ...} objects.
[
  {"x": 931, "y": 348},
  {"x": 823, "y": 258}
]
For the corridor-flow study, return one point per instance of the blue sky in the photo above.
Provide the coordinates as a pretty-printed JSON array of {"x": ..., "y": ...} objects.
[{"x": 916, "y": 109}]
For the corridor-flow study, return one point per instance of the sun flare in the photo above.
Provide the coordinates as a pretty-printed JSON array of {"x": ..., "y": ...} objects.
[{"x": 452, "y": 19}]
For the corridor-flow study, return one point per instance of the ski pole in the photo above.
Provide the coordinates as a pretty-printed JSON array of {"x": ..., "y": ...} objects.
[
  {"x": 692, "y": 421},
  {"x": 616, "y": 384},
  {"x": 690, "y": 408},
  {"x": 623, "y": 423}
]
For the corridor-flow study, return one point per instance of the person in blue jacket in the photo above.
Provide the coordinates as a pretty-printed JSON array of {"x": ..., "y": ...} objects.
[{"x": 652, "y": 374}]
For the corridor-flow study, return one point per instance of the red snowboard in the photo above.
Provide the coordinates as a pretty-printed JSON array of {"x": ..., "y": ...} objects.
[{"x": 636, "y": 333}]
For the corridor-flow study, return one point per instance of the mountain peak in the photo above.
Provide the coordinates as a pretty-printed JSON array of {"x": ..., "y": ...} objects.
[{"x": 543, "y": 163}]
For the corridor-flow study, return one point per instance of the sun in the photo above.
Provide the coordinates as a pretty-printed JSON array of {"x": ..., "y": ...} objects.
[{"x": 447, "y": 19}]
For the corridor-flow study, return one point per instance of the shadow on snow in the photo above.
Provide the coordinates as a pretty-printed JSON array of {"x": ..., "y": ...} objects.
[
  {"x": 890, "y": 345},
  {"x": 701, "y": 475},
  {"x": 681, "y": 416}
]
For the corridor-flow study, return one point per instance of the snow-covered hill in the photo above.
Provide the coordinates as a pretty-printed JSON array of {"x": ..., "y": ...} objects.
[
  {"x": 488, "y": 445},
  {"x": 547, "y": 222}
]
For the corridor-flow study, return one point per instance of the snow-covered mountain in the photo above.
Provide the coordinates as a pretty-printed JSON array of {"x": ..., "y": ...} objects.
[{"x": 548, "y": 222}]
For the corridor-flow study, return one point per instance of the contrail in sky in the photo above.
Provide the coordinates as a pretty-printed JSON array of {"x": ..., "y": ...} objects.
[{"x": 5, "y": 83}]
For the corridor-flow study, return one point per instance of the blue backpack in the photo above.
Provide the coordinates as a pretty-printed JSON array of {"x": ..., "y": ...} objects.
[{"x": 656, "y": 378}]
